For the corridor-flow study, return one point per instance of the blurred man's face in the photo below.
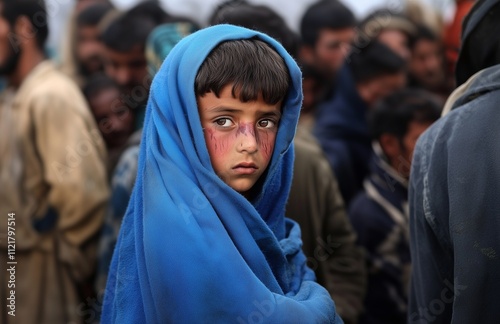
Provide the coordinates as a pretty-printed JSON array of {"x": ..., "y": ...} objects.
[
  {"x": 9, "y": 56},
  {"x": 89, "y": 50},
  {"x": 331, "y": 49},
  {"x": 129, "y": 70},
  {"x": 427, "y": 64},
  {"x": 379, "y": 88}
]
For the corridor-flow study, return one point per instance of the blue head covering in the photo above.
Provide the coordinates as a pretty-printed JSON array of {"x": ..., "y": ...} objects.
[{"x": 191, "y": 249}]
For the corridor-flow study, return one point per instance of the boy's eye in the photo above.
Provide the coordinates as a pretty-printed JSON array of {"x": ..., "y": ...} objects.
[
  {"x": 224, "y": 122},
  {"x": 266, "y": 123}
]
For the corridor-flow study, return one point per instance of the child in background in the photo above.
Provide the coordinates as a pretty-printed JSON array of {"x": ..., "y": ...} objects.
[
  {"x": 114, "y": 119},
  {"x": 205, "y": 238}
]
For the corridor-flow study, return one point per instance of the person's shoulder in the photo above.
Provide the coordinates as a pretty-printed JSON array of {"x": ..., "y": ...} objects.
[
  {"x": 477, "y": 113},
  {"x": 46, "y": 79},
  {"x": 48, "y": 88},
  {"x": 55, "y": 82},
  {"x": 470, "y": 127}
]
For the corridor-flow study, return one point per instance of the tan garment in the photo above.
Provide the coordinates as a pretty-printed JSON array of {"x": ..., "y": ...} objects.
[
  {"x": 316, "y": 204},
  {"x": 51, "y": 163}
]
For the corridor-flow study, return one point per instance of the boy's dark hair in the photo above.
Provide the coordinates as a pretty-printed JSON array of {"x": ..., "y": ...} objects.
[
  {"x": 325, "y": 14},
  {"x": 373, "y": 61},
  {"x": 260, "y": 18},
  {"x": 133, "y": 27},
  {"x": 98, "y": 83},
  {"x": 92, "y": 15},
  {"x": 251, "y": 65},
  {"x": 34, "y": 10},
  {"x": 394, "y": 114}
]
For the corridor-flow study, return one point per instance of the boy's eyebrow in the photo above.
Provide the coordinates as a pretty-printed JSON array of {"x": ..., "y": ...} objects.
[
  {"x": 224, "y": 109},
  {"x": 276, "y": 113}
]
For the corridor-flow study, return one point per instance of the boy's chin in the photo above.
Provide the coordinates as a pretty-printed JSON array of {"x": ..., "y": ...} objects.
[{"x": 243, "y": 186}]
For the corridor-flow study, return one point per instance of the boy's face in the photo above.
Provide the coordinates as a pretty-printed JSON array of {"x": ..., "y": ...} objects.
[{"x": 240, "y": 136}]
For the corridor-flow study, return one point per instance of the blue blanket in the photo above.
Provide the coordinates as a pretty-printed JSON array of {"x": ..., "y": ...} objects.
[{"x": 193, "y": 250}]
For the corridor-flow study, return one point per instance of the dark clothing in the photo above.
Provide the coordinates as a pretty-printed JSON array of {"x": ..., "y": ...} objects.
[
  {"x": 455, "y": 208},
  {"x": 342, "y": 131},
  {"x": 328, "y": 237},
  {"x": 477, "y": 51},
  {"x": 380, "y": 217}
]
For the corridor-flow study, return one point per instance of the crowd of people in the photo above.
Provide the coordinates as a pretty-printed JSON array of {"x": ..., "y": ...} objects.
[{"x": 91, "y": 135}]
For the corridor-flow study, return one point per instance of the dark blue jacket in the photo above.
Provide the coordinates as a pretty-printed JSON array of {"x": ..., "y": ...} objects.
[
  {"x": 342, "y": 131},
  {"x": 380, "y": 217},
  {"x": 455, "y": 211}
]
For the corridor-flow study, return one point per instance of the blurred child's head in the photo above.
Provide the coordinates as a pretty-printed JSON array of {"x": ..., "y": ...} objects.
[
  {"x": 124, "y": 48},
  {"x": 327, "y": 30},
  {"x": 397, "y": 123},
  {"x": 114, "y": 119},
  {"x": 240, "y": 88},
  {"x": 377, "y": 71},
  {"x": 260, "y": 18}
]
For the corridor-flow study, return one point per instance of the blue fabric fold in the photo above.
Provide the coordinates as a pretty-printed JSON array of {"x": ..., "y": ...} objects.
[{"x": 193, "y": 250}]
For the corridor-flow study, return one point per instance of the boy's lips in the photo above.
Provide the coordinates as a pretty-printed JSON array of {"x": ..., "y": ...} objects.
[{"x": 246, "y": 168}]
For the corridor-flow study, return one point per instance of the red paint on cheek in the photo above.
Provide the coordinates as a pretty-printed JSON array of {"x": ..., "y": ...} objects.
[
  {"x": 266, "y": 141},
  {"x": 217, "y": 142}
]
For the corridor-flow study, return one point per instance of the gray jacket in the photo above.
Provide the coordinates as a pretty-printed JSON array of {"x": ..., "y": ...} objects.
[{"x": 455, "y": 211}]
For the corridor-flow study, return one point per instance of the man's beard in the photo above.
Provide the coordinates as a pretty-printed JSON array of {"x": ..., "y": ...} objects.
[{"x": 11, "y": 63}]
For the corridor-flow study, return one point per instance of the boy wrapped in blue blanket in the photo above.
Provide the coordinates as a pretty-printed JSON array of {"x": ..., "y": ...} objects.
[{"x": 204, "y": 238}]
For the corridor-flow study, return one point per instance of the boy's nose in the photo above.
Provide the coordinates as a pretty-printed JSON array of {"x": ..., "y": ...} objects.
[{"x": 247, "y": 140}]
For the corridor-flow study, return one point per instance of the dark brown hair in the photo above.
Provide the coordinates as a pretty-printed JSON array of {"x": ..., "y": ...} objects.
[{"x": 251, "y": 65}]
